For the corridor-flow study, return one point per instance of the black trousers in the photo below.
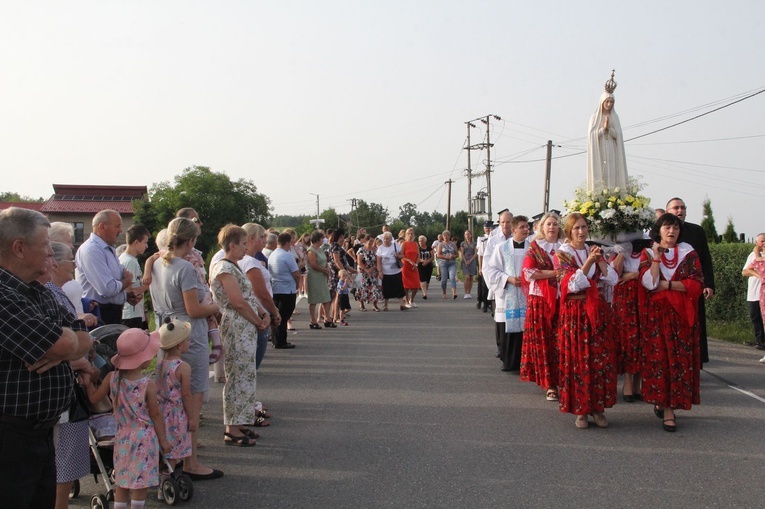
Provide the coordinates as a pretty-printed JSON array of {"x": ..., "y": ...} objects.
[
  {"x": 510, "y": 350},
  {"x": 285, "y": 303},
  {"x": 111, "y": 313},
  {"x": 703, "y": 343},
  {"x": 756, "y": 315},
  {"x": 483, "y": 290},
  {"x": 27, "y": 468}
]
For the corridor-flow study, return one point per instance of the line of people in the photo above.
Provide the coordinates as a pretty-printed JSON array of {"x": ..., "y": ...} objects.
[{"x": 572, "y": 317}]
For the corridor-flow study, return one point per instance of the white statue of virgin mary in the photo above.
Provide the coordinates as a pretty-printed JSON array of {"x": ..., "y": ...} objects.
[{"x": 606, "y": 163}]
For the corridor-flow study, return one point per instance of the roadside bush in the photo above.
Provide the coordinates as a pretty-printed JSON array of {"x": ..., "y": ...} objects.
[{"x": 729, "y": 302}]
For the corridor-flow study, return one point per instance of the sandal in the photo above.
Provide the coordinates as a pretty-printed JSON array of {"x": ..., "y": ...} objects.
[
  {"x": 376, "y": 309},
  {"x": 216, "y": 353},
  {"x": 658, "y": 411},
  {"x": 669, "y": 427},
  {"x": 249, "y": 433},
  {"x": 551, "y": 395},
  {"x": 581, "y": 422},
  {"x": 239, "y": 441},
  {"x": 314, "y": 326},
  {"x": 330, "y": 325},
  {"x": 260, "y": 423},
  {"x": 263, "y": 414}
]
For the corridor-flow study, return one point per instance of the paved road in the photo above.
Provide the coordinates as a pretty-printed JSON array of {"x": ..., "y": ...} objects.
[{"x": 410, "y": 409}]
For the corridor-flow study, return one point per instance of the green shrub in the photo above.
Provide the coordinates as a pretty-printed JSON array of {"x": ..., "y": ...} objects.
[{"x": 729, "y": 302}]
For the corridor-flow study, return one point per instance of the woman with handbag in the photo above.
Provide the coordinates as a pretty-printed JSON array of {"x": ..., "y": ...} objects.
[{"x": 389, "y": 265}]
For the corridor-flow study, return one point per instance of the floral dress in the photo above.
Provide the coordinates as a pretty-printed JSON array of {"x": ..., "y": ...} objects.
[
  {"x": 370, "y": 290},
  {"x": 240, "y": 339},
  {"x": 540, "y": 354},
  {"x": 136, "y": 448},
  {"x": 468, "y": 248},
  {"x": 588, "y": 375},
  {"x": 671, "y": 353},
  {"x": 173, "y": 412}
]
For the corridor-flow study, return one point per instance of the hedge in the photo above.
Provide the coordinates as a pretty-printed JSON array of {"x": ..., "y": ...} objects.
[{"x": 729, "y": 301}]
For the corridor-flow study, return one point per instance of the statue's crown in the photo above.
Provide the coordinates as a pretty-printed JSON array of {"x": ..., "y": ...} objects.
[{"x": 611, "y": 84}]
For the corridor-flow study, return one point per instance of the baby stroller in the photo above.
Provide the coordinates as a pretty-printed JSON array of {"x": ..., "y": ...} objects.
[{"x": 174, "y": 484}]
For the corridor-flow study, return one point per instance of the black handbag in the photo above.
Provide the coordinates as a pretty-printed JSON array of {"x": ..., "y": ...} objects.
[
  {"x": 78, "y": 410},
  {"x": 399, "y": 264}
]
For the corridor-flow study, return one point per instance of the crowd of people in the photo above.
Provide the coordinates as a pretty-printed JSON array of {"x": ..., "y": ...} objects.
[
  {"x": 573, "y": 315},
  {"x": 569, "y": 316}
]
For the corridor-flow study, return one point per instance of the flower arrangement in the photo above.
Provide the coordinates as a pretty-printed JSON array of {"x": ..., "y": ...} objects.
[{"x": 611, "y": 212}]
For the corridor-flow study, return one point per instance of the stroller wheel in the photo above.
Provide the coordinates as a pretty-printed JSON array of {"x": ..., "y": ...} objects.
[
  {"x": 170, "y": 491},
  {"x": 75, "y": 491},
  {"x": 99, "y": 502},
  {"x": 185, "y": 487}
]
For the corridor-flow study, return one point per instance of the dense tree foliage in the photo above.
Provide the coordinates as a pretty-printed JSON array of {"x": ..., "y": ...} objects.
[
  {"x": 11, "y": 196},
  {"x": 217, "y": 199},
  {"x": 730, "y": 234},
  {"x": 708, "y": 221}
]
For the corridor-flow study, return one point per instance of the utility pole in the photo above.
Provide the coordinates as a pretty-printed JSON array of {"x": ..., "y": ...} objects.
[
  {"x": 449, "y": 203},
  {"x": 470, "y": 180},
  {"x": 487, "y": 146},
  {"x": 547, "y": 176},
  {"x": 316, "y": 222}
]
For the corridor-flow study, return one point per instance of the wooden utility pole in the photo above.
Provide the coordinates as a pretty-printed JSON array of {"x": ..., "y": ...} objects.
[
  {"x": 488, "y": 164},
  {"x": 547, "y": 176},
  {"x": 470, "y": 181},
  {"x": 449, "y": 203}
]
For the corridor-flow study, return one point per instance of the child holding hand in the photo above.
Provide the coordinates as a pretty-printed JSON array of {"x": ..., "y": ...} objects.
[{"x": 140, "y": 427}]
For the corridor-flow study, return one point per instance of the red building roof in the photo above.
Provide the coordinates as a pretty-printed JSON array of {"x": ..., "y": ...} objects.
[
  {"x": 82, "y": 199},
  {"x": 32, "y": 205}
]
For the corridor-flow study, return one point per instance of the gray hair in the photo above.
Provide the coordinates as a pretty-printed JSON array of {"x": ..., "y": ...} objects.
[
  {"x": 17, "y": 223},
  {"x": 272, "y": 238},
  {"x": 161, "y": 239},
  {"x": 103, "y": 216},
  {"x": 387, "y": 235},
  {"x": 59, "y": 231},
  {"x": 60, "y": 251},
  {"x": 422, "y": 237}
]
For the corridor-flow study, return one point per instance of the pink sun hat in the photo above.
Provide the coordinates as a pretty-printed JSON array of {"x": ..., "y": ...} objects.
[{"x": 134, "y": 347}]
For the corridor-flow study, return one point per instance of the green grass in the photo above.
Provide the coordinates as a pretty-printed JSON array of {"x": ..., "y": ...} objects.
[{"x": 733, "y": 331}]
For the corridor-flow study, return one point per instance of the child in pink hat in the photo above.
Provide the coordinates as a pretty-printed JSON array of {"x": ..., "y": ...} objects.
[{"x": 140, "y": 427}]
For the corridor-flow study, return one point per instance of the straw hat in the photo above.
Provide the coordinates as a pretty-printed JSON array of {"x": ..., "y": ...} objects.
[
  {"x": 173, "y": 332},
  {"x": 134, "y": 347}
]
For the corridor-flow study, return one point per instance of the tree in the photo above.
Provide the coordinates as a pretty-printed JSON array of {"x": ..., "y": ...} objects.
[
  {"x": 370, "y": 216},
  {"x": 708, "y": 222},
  {"x": 217, "y": 199},
  {"x": 14, "y": 197},
  {"x": 730, "y": 234}
]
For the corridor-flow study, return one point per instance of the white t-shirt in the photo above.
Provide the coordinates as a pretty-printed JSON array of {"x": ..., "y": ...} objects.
[
  {"x": 753, "y": 283},
  {"x": 131, "y": 264},
  {"x": 249, "y": 262}
]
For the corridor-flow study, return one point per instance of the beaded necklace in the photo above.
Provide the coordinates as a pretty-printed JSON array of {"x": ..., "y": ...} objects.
[{"x": 670, "y": 264}]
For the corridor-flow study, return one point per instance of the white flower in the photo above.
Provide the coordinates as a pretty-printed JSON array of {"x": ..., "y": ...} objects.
[
  {"x": 616, "y": 190},
  {"x": 607, "y": 214}
]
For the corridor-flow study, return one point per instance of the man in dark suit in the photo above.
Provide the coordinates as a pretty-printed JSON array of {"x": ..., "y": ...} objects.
[{"x": 694, "y": 235}]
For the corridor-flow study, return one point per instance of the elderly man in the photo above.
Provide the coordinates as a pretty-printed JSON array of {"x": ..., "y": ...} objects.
[
  {"x": 694, "y": 235},
  {"x": 496, "y": 238},
  {"x": 36, "y": 385},
  {"x": 753, "y": 296},
  {"x": 104, "y": 280}
]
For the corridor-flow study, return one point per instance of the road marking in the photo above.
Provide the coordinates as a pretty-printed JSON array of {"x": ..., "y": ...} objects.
[{"x": 733, "y": 386}]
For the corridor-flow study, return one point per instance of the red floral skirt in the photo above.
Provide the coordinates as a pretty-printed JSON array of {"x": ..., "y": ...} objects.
[
  {"x": 625, "y": 323},
  {"x": 587, "y": 360},
  {"x": 539, "y": 354}
]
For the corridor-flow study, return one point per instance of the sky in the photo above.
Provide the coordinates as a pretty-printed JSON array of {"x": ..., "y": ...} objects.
[{"x": 369, "y": 100}]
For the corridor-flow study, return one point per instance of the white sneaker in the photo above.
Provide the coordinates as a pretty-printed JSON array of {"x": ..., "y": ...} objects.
[
  {"x": 762, "y": 360},
  {"x": 412, "y": 305},
  {"x": 468, "y": 296}
]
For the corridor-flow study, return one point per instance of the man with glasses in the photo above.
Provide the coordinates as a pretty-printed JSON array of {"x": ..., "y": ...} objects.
[{"x": 695, "y": 235}]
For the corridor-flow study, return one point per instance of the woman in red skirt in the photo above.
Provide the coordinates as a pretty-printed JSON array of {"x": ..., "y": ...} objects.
[
  {"x": 588, "y": 376},
  {"x": 671, "y": 272},
  {"x": 625, "y": 318},
  {"x": 539, "y": 355}
]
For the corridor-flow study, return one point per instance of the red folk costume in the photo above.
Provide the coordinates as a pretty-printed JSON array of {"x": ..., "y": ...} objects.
[
  {"x": 539, "y": 357},
  {"x": 671, "y": 355},
  {"x": 625, "y": 317},
  {"x": 588, "y": 375},
  {"x": 409, "y": 275}
]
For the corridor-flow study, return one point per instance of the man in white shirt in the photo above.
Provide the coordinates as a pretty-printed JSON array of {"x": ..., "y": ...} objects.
[
  {"x": 483, "y": 290},
  {"x": 753, "y": 297},
  {"x": 496, "y": 238}
]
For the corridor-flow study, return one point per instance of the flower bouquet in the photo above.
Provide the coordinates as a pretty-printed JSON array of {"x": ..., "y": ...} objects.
[{"x": 613, "y": 215}]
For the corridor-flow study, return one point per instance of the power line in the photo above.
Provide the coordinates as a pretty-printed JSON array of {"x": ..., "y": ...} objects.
[{"x": 699, "y": 141}]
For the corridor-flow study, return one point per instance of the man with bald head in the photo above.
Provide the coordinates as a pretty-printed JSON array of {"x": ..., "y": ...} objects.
[
  {"x": 104, "y": 280},
  {"x": 496, "y": 238},
  {"x": 695, "y": 235}
]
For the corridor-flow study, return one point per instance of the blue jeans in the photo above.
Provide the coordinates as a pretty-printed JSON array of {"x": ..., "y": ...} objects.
[
  {"x": 263, "y": 337},
  {"x": 448, "y": 270}
]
